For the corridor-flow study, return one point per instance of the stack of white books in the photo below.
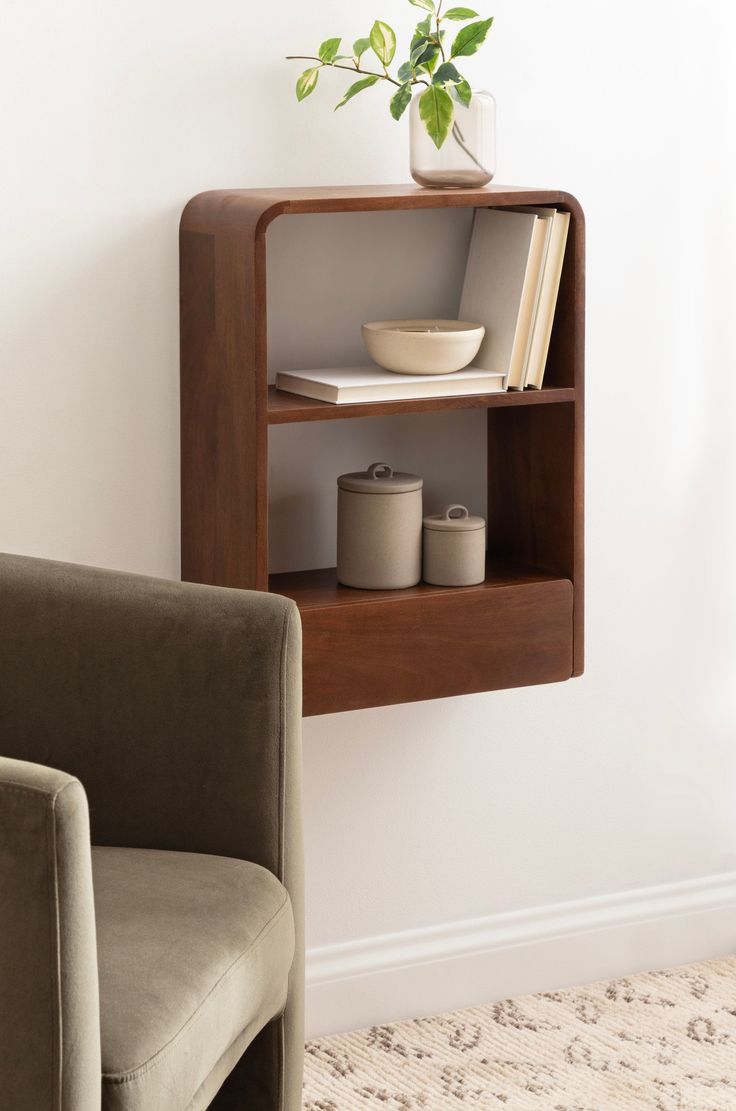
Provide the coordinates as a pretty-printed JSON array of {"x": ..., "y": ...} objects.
[
  {"x": 346, "y": 385},
  {"x": 511, "y": 284}
]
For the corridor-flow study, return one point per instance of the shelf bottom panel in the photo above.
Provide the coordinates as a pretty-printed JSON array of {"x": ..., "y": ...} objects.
[{"x": 377, "y": 648}]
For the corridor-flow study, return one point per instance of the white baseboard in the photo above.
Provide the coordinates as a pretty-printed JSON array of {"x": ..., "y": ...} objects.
[{"x": 479, "y": 960}]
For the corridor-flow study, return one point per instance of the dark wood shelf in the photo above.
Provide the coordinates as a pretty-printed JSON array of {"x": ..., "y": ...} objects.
[
  {"x": 320, "y": 587},
  {"x": 523, "y": 625},
  {"x": 379, "y": 647},
  {"x": 290, "y": 408},
  {"x": 234, "y": 211}
]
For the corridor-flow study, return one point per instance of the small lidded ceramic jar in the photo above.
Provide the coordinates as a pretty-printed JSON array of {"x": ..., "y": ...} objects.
[
  {"x": 454, "y": 548},
  {"x": 379, "y": 529}
]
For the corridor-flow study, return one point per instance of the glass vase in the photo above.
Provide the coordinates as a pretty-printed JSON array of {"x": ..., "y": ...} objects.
[{"x": 467, "y": 158}]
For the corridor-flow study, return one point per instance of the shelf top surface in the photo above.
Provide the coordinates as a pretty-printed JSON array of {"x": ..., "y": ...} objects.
[
  {"x": 290, "y": 408},
  {"x": 256, "y": 208},
  {"x": 320, "y": 587}
]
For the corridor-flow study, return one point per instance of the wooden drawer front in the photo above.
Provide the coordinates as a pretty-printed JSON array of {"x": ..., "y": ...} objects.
[{"x": 380, "y": 654}]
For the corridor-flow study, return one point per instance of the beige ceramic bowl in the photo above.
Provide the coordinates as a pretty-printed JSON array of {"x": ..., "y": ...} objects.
[{"x": 423, "y": 346}]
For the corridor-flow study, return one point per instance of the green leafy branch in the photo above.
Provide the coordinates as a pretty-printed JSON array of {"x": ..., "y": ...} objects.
[{"x": 430, "y": 63}]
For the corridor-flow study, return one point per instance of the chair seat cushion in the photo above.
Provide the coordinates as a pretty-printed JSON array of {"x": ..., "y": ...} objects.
[{"x": 193, "y": 951}]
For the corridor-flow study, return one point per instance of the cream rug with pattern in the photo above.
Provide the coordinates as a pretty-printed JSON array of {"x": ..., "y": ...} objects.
[{"x": 662, "y": 1041}]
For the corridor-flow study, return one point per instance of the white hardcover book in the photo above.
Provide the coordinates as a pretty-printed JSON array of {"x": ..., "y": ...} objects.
[
  {"x": 345, "y": 385},
  {"x": 499, "y": 288},
  {"x": 529, "y": 303},
  {"x": 542, "y": 330},
  {"x": 546, "y": 215}
]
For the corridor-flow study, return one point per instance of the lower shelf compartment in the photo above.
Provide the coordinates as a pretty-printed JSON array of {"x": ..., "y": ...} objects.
[{"x": 376, "y": 648}]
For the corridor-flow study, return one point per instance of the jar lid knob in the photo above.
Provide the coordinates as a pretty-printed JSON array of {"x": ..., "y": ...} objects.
[
  {"x": 384, "y": 467},
  {"x": 454, "y": 513}
]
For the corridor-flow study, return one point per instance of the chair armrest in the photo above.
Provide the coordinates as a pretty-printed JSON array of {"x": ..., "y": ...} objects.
[{"x": 49, "y": 1006}]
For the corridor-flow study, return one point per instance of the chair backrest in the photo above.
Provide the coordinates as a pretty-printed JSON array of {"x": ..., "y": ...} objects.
[{"x": 172, "y": 703}]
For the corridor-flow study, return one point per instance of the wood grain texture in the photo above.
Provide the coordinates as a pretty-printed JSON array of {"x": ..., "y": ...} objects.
[
  {"x": 290, "y": 408},
  {"x": 382, "y": 652},
  {"x": 223, "y": 410},
  {"x": 525, "y": 624},
  {"x": 320, "y": 588},
  {"x": 530, "y": 487},
  {"x": 239, "y": 209},
  {"x": 566, "y": 367}
]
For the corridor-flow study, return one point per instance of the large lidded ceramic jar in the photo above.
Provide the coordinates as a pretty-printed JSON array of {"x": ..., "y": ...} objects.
[
  {"x": 467, "y": 157},
  {"x": 379, "y": 528}
]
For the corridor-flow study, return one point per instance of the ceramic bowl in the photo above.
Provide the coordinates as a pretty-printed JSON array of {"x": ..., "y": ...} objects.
[{"x": 423, "y": 346}]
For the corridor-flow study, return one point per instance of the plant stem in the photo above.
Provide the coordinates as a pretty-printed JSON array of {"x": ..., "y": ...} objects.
[
  {"x": 460, "y": 140},
  {"x": 437, "y": 29},
  {"x": 335, "y": 65}
]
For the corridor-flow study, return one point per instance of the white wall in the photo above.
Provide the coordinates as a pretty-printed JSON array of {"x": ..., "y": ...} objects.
[{"x": 473, "y": 808}]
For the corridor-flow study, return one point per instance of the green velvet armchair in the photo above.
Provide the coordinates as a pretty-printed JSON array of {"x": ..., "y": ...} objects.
[{"x": 151, "y": 903}]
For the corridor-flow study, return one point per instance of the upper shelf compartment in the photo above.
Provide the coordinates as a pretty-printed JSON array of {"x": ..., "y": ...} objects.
[{"x": 347, "y": 259}]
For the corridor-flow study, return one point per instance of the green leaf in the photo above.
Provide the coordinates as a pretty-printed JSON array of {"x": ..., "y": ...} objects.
[
  {"x": 428, "y": 5},
  {"x": 470, "y": 38},
  {"x": 355, "y": 88},
  {"x": 447, "y": 74},
  {"x": 425, "y": 51},
  {"x": 383, "y": 41},
  {"x": 328, "y": 50},
  {"x": 400, "y": 101},
  {"x": 462, "y": 93},
  {"x": 417, "y": 49},
  {"x": 360, "y": 46},
  {"x": 422, "y": 31},
  {"x": 460, "y": 14},
  {"x": 406, "y": 72},
  {"x": 436, "y": 111},
  {"x": 307, "y": 83},
  {"x": 431, "y": 62}
]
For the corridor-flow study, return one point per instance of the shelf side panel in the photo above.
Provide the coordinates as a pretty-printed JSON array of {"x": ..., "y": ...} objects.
[
  {"x": 565, "y": 357},
  {"x": 222, "y": 443},
  {"x": 566, "y": 367},
  {"x": 382, "y": 653},
  {"x": 531, "y": 495}
]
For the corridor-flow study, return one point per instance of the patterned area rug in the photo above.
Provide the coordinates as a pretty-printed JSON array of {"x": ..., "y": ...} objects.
[{"x": 662, "y": 1041}]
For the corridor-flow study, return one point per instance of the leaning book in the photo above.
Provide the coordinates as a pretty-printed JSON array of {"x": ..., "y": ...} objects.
[
  {"x": 355, "y": 384},
  {"x": 502, "y": 276}
]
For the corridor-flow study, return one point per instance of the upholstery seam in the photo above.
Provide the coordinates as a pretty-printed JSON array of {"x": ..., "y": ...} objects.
[
  {"x": 57, "y": 1026},
  {"x": 280, "y": 1047},
  {"x": 282, "y": 754},
  {"x": 53, "y": 983},
  {"x": 23, "y": 789},
  {"x": 152, "y": 1062}
]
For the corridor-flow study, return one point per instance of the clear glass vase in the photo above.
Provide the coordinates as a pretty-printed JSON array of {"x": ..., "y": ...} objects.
[{"x": 467, "y": 158}]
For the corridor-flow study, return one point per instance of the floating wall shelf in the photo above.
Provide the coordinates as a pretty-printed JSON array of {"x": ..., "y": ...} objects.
[{"x": 524, "y": 624}]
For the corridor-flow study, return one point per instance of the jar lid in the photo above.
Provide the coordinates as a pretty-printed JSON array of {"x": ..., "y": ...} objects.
[
  {"x": 379, "y": 479},
  {"x": 454, "y": 518}
]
